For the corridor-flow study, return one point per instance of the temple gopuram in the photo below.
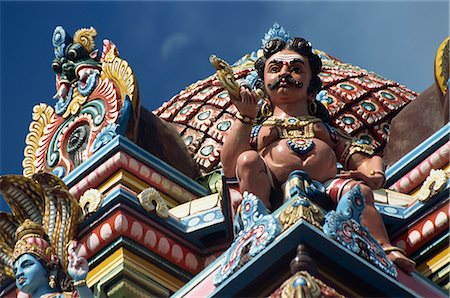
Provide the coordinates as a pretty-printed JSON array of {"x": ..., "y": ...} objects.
[{"x": 156, "y": 218}]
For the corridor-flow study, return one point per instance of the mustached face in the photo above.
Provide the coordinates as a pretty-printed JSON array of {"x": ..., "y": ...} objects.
[{"x": 287, "y": 75}]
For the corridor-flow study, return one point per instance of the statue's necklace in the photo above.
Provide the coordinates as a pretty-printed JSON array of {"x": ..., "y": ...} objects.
[{"x": 297, "y": 130}]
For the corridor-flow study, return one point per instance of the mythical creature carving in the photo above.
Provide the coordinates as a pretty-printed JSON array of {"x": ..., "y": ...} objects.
[
  {"x": 97, "y": 99},
  {"x": 344, "y": 225},
  {"x": 255, "y": 229}
]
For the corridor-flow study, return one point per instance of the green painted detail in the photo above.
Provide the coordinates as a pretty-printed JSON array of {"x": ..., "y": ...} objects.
[
  {"x": 223, "y": 95},
  {"x": 207, "y": 150},
  {"x": 205, "y": 90},
  {"x": 347, "y": 87},
  {"x": 388, "y": 95},
  {"x": 366, "y": 139},
  {"x": 348, "y": 120},
  {"x": 204, "y": 115},
  {"x": 329, "y": 100},
  {"x": 368, "y": 106},
  {"x": 212, "y": 181},
  {"x": 224, "y": 125},
  {"x": 188, "y": 140},
  {"x": 185, "y": 110}
]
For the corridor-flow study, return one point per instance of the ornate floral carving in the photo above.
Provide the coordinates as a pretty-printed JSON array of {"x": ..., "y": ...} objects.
[
  {"x": 258, "y": 229},
  {"x": 85, "y": 37},
  {"x": 301, "y": 208},
  {"x": 91, "y": 201},
  {"x": 303, "y": 285},
  {"x": 150, "y": 197},
  {"x": 433, "y": 184},
  {"x": 344, "y": 226},
  {"x": 42, "y": 115}
]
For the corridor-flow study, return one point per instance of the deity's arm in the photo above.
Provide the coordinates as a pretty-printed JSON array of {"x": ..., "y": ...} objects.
[
  {"x": 78, "y": 269},
  {"x": 360, "y": 161},
  {"x": 238, "y": 140}
]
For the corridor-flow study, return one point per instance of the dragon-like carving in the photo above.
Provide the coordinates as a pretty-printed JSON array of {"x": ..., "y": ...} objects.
[{"x": 96, "y": 95}]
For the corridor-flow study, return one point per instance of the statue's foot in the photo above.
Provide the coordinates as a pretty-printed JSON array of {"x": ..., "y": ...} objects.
[{"x": 398, "y": 256}]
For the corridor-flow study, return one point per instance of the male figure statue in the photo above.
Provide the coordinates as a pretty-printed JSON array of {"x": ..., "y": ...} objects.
[{"x": 295, "y": 135}]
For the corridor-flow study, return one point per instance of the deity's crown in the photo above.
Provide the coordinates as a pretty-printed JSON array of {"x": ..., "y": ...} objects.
[{"x": 31, "y": 238}]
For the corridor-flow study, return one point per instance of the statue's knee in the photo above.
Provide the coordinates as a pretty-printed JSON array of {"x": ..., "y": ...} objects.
[
  {"x": 367, "y": 194},
  {"x": 366, "y": 191},
  {"x": 248, "y": 161}
]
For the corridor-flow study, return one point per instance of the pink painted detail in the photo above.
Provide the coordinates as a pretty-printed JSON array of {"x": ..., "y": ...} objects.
[
  {"x": 105, "y": 91},
  {"x": 93, "y": 242},
  {"x": 150, "y": 239},
  {"x": 177, "y": 253},
  {"x": 413, "y": 178},
  {"x": 82, "y": 251},
  {"x": 121, "y": 223},
  {"x": 106, "y": 231},
  {"x": 155, "y": 240},
  {"x": 163, "y": 245},
  {"x": 191, "y": 261},
  {"x": 204, "y": 288},
  {"x": 136, "y": 230},
  {"x": 425, "y": 230},
  {"x": 145, "y": 172},
  {"x": 133, "y": 164},
  {"x": 122, "y": 160},
  {"x": 428, "y": 228},
  {"x": 209, "y": 260}
]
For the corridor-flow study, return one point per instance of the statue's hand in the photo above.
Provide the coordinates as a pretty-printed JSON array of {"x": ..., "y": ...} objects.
[
  {"x": 247, "y": 104},
  {"x": 373, "y": 181},
  {"x": 78, "y": 266}
]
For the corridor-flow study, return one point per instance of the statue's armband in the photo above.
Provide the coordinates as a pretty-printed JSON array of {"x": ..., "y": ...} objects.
[{"x": 355, "y": 146}]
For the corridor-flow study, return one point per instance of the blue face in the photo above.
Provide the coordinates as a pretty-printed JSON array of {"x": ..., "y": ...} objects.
[{"x": 30, "y": 274}]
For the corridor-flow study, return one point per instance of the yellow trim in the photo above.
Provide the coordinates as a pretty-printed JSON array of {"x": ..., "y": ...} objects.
[
  {"x": 435, "y": 263},
  {"x": 125, "y": 258},
  {"x": 134, "y": 183},
  {"x": 439, "y": 64}
]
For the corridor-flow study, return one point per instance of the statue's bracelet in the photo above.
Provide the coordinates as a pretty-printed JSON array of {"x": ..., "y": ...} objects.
[
  {"x": 79, "y": 283},
  {"x": 245, "y": 119}
]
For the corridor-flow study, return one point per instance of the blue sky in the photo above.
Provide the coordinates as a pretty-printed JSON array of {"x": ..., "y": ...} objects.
[{"x": 168, "y": 44}]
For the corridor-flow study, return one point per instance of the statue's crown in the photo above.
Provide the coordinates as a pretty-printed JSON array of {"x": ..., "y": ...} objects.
[{"x": 32, "y": 239}]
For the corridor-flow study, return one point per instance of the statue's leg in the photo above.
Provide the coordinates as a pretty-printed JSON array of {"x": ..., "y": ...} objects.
[
  {"x": 373, "y": 221},
  {"x": 254, "y": 176}
]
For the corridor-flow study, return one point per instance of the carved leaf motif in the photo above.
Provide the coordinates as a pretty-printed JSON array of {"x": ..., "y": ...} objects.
[
  {"x": 77, "y": 101},
  {"x": 86, "y": 38},
  {"x": 121, "y": 74},
  {"x": 42, "y": 115}
]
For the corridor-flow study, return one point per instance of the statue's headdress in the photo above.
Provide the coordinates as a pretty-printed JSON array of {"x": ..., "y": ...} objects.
[
  {"x": 32, "y": 239},
  {"x": 44, "y": 220}
]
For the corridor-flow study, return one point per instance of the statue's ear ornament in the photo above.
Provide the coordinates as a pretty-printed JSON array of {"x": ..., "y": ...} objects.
[{"x": 32, "y": 239}]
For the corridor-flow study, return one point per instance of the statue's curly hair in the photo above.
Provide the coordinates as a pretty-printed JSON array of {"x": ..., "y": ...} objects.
[{"x": 299, "y": 45}]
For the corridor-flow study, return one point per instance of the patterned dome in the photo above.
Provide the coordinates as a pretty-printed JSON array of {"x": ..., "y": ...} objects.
[{"x": 360, "y": 103}]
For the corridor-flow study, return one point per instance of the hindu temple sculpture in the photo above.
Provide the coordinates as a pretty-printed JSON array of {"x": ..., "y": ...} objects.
[
  {"x": 282, "y": 149},
  {"x": 293, "y": 133},
  {"x": 37, "y": 247}
]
